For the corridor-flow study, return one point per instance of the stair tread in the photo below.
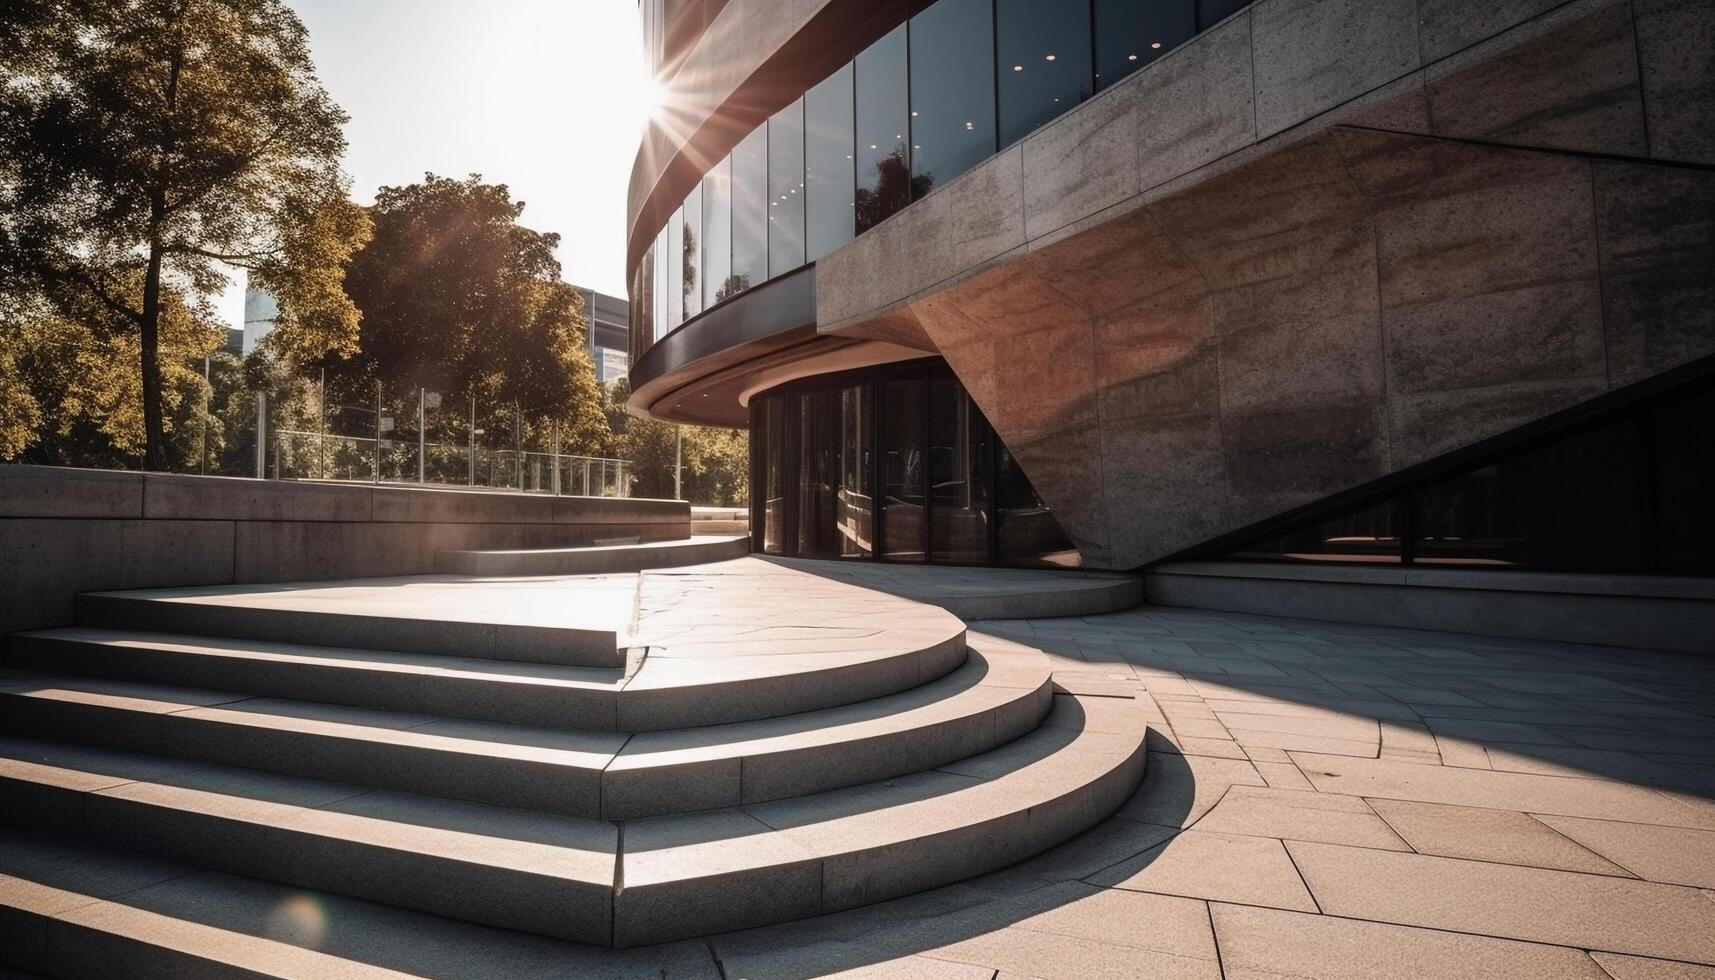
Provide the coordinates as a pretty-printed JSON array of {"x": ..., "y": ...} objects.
[{"x": 695, "y": 542}]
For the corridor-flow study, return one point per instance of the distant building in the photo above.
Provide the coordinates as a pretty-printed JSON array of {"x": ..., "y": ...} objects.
[
  {"x": 234, "y": 341},
  {"x": 260, "y": 312},
  {"x": 609, "y": 335}
]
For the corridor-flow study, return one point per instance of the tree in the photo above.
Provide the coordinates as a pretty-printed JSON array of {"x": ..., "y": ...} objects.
[
  {"x": 145, "y": 145},
  {"x": 716, "y": 462},
  {"x": 458, "y": 297}
]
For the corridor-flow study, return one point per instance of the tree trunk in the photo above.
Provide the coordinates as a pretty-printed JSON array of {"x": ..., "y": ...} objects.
[{"x": 154, "y": 432}]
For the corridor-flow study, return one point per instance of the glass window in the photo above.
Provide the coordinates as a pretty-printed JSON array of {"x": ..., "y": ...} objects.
[
  {"x": 958, "y": 473},
  {"x": 855, "y": 510},
  {"x": 902, "y": 470},
  {"x": 1575, "y": 503},
  {"x": 952, "y": 90},
  {"x": 1028, "y": 532},
  {"x": 1212, "y": 12},
  {"x": 786, "y": 189},
  {"x": 883, "y": 102},
  {"x": 676, "y": 269},
  {"x": 749, "y": 212},
  {"x": 1370, "y": 534},
  {"x": 828, "y": 164},
  {"x": 772, "y": 440},
  {"x": 693, "y": 218},
  {"x": 643, "y": 316},
  {"x": 663, "y": 294},
  {"x": 1044, "y": 61},
  {"x": 717, "y": 233},
  {"x": 1132, "y": 33},
  {"x": 1685, "y": 482}
]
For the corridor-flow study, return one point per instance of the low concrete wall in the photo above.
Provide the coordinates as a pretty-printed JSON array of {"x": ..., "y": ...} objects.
[
  {"x": 65, "y": 531},
  {"x": 1659, "y": 613}
]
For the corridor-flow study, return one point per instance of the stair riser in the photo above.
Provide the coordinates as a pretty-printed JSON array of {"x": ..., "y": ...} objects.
[
  {"x": 508, "y": 898},
  {"x": 792, "y": 890},
  {"x": 437, "y": 694},
  {"x": 461, "y": 776},
  {"x": 595, "y": 562},
  {"x": 583, "y": 648}
]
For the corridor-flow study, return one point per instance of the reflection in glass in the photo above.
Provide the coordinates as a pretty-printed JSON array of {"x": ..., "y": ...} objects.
[
  {"x": 693, "y": 218},
  {"x": 828, "y": 164},
  {"x": 833, "y": 488},
  {"x": 675, "y": 269},
  {"x": 661, "y": 298},
  {"x": 1132, "y": 33},
  {"x": 770, "y": 420},
  {"x": 854, "y": 515},
  {"x": 1212, "y": 12},
  {"x": 1028, "y": 532},
  {"x": 884, "y": 182},
  {"x": 749, "y": 213},
  {"x": 902, "y": 470},
  {"x": 1685, "y": 482},
  {"x": 1369, "y": 534},
  {"x": 952, "y": 89},
  {"x": 717, "y": 231},
  {"x": 786, "y": 189},
  {"x": 1044, "y": 64},
  {"x": 958, "y": 474},
  {"x": 1575, "y": 503}
]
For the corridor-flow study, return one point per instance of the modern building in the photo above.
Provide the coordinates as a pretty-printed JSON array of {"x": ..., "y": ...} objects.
[
  {"x": 1418, "y": 283},
  {"x": 608, "y": 335},
  {"x": 260, "y": 312}
]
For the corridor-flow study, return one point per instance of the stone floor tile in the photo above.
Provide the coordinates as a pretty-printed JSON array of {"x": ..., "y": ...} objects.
[
  {"x": 1622, "y": 967},
  {"x": 1264, "y": 753},
  {"x": 1250, "y": 738},
  {"x": 1282, "y": 775},
  {"x": 1178, "y": 789},
  {"x": 1596, "y": 798},
  {"x": 1218, "y": 748},
  {"x": 1024, "y": 952},
  {"x": 1218, "y": 867},
  {"x": 1269, "y": 944},
  {"x": 1163, "y": 923},
  {"x": 1462, "y": 754},
  {"x": 1197, "y": 728},
  {"x": 1477, "y": 834},
  {"x": 1620, "y": 915},
  {"x": 1666, "y": 854},
  {"x": 917, "y": 968},
  {"x": 1299, "y": 815}
]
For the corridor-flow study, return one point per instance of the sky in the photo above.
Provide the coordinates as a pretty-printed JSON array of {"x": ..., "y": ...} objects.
[{"x": 545, "y": 96}]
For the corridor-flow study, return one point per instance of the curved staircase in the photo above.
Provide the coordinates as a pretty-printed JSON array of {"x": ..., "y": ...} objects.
[{"x": 766, "y": 745}]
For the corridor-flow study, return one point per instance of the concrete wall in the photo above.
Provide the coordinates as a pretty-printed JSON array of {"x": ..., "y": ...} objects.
[
  {"x": 1632, "y": 611},
  {"x": 1324, "y": 241},
  {"x": 65, "y": 531}
]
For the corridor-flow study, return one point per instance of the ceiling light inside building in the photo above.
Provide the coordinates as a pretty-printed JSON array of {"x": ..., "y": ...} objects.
[
  {"x": 1131, "y": 57},
  {"x": 1048, "y": 57},
  {"x": 1155, "y": 44},
  {"x": 970, "y": 125},
  {"x": 1017, "y": 67}
]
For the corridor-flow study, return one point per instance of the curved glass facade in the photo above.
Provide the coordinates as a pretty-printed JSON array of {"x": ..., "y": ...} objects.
[
  {"x": 940, "y": 93},
  {"x": 894, "y": 463}
]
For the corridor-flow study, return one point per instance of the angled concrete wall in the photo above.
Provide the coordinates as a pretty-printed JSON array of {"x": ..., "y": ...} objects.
[
  {"x": 65, "y": 531},
  {"x": 1327, "y": 240}
]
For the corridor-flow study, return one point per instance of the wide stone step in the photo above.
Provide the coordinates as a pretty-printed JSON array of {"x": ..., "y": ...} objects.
[
  {"x": 989, "y": 701},
  {"x": 696, "y": 550},
  {"x": 541, "y": 873},
  {"x": 538, "y": 622},
  {"x": 665, "y": 692},
  {"x": 727, "y": 869},
  {"x": 565, "y": 877}
]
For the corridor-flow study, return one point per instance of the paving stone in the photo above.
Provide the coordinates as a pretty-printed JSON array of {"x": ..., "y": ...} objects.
[
  {"x": 1178, "y": 789},
  {"x": 1666, "y": 854},
  {"x": 1622, "y": 967},
  {"x": 1478, "y": 834},
  {"x": 1268, "y": 944},
  {"x": 1282, "y": 775},
  {"x": 1218, "y": 867},
  {"x": 1296, "y": 815},
  {"x": 912, "y": 967},
  {"x": 1026, "y": 952},
  {"x": 1590, "y": 911}
]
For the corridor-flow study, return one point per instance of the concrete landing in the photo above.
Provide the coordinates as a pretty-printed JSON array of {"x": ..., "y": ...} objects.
[
  {"x": 988, "y": 593},
  {"x": 596, "y": 560}
]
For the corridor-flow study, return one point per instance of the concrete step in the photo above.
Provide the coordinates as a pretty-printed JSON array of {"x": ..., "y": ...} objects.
[
  {"x": 591, "y": 774},
  {"x": 697, "y": 550},
  {"x": 542, "y": 622},
  {"x": 564, "y": 877},
  {"x": 728, "y": 869},
  {"x": 518, "y": 869},
  {"x": 664, "y": 692}
]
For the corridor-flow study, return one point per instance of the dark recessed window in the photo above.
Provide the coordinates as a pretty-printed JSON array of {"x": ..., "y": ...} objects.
[
  {"x": 952, "y": 90},
  {"x": 1132, "y": 33},
  {"x": 1212, "y": 12},
  {"x": 786, "y": 189},
  {"x": 1685, "y": 482},
  {"x": 883, "y": 152},
  {"x": 1028, "y": 534},
  {"x": 693, "y": 218},
  {"x": 902, "y": 470},
  {"x": 1371, "y": 533},
  {"x": 749, "y": 212},
  {"x": 1044, "y": 64},
  {"x": 958, "y": 473},
  {"x": 717, "y": 232},
  {"x": 828, "y": 164}
]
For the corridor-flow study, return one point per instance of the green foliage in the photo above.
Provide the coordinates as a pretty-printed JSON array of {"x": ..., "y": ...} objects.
[
  {"x": 459, "y": 298},
  {"x": 147, "y": 144},
  {"x": 716, "y": 461}
]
